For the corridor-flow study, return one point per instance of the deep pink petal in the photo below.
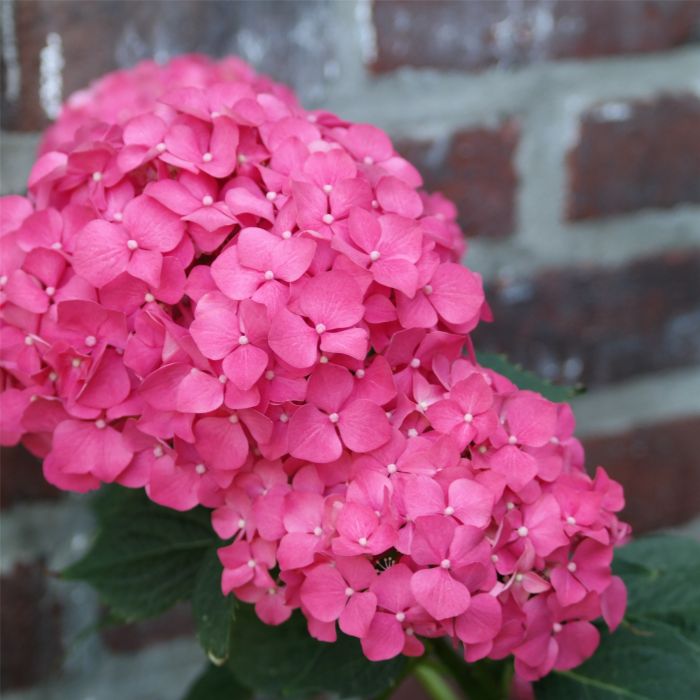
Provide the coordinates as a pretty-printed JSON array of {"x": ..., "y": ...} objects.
[
  {"x": 364, "y": 426},
  {"x": 439, "y": 593},
  {"x": 292, "y": 340},
  {"x": 357, "y": 616},
  {"x": 312, "y": 436}
]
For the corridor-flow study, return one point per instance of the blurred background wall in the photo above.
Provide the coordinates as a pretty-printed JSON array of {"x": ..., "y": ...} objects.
[{"x": 568, "y": 132}]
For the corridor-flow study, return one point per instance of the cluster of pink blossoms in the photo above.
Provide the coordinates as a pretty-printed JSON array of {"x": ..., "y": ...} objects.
[{"x": 217, "y": 296}]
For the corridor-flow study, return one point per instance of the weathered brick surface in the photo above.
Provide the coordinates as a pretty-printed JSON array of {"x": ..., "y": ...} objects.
[
  {"x": 292, "y": 41},
  {"x": 177, "y": 622},
  {"x": 452, "y": 34},
  {"x": 30, "y": 628},
  {"x": 21, "y": 478},
  {"x": 659, "y": 467},
  {"x": 634, "y": 155},
  {"x": 600, "y": 325},
  {"x": 476, "y": 169}
]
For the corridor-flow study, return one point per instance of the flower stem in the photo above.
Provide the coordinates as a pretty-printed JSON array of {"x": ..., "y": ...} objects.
[{"x": 433, "y": 682}]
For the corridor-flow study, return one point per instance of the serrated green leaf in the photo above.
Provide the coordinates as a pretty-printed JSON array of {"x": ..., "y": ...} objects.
[
  {"x": 647, "y": 661},
  {"x": 145, "y": 558},
  {"x": 212, "y": 610},
  {"x": 527, "y": 380},
  {"x": 286, "y": 661},
  {"x": 217, "y": 683}
]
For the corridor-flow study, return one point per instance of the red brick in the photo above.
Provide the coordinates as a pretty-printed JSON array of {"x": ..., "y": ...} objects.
[
  {"x": 177, "y": 622},
  {"x": 22, "y": 479},
  {"x": 475, "y": 168},
  {"x": 659, "y": 467},
  {"x": 452, "y": 34},
  {"x": 599, "y": 325},
  {"x": 293, "y": 41},
  {"x": 30, "y": 628},
  {"x": 634, "y": 155}
]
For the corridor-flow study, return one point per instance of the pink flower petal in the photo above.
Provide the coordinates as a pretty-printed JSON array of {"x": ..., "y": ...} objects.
[{"x": 439, "y": 593}]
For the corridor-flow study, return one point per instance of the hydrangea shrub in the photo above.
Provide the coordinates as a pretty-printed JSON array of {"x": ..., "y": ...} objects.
[{"x": 234, "y": 304}]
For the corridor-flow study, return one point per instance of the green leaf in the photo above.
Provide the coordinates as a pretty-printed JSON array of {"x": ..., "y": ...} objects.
[
  {"x": 662, "y": 574},
  {"x": 145, "y": 558},
  {"x": 217, "y": 683},
  {"x": 212, "y": 610},
  {"x": 286, "y": 661},
  {"x": 648, "y": 661},
  {"x": 525, "y": 379}
]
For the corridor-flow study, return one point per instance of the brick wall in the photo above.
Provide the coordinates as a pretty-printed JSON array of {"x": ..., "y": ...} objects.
[{"x": 566, "y": 130}]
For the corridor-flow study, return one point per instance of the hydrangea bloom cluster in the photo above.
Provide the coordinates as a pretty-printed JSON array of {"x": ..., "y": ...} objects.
[{"x": 217, "y": 296}]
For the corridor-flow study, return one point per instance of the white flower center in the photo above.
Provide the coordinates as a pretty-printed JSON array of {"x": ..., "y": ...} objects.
[
  {"x": 571, "y": 566},
  {"x": 320, "y": 328},
  {"x": 362, "y": 541},
  {"x": 161, "y": 147},
  {"x": 523, "y": 531},
  {"x": 207, "y": 200},
  {"x": 512, "y": 440},
  {"x": 468, "y": 417},
  {"x": 91, "y": 341},
  {"x": 284, "y": 417},
  {"x": 318, "y": 531},
  {"x": 445, "y": 564},
  {"x": 269, "y": 275},
  {"x": 333, "y": 417},
  {"x": 243, "y": 340},
  {"x": 391, "y": 468},
  {"x": 148, "y": 297},
  {"x": 233, "y": 418},
  {"x": 99, "y": 423},
  {"x": 449, "y": 510},
  {"x": 428, "y": 289},
  {"x": 207, "y": 157},
  {"x": 400, "y": 616},
  {"x": 571, "y": 520},
  {"x": 374, "y": 255},
  {"x": 349, "y": 591},
  {"x": 251, "y": 563},
  {"x": 200, "y": 469},
  {"x": 327, "y": 219},
  {"x": 97, "y": 176},
  {"x": 131, "y": 244},
  {"x": 328, "y": 189}
]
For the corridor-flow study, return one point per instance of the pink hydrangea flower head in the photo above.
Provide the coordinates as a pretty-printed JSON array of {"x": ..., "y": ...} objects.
[{"x": 216, "y": 296}]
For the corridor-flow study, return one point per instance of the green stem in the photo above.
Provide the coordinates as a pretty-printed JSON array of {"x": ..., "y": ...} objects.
[{"x": 433, "y": 682}]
